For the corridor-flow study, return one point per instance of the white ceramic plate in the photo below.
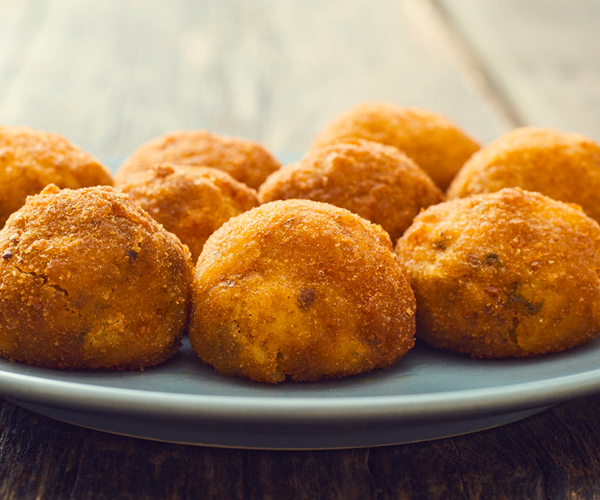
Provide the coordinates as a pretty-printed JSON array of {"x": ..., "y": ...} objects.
[{"x": 427, "y": 395}]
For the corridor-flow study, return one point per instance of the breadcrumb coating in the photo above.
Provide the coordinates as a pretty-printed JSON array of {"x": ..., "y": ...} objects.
[
  {"x": 507, "y": 274},
  {"x": 375, "y": 181},
  {"x": 89, "y": 280},
  {"x": 30, "y": 160},
  {"x": 192, "y": 203},
  {"x": 301, "y": 290},
  {"x": 561, "y": 165},
  {"x": 435, "y": 144},
  {"x": 246, "y": 161}
]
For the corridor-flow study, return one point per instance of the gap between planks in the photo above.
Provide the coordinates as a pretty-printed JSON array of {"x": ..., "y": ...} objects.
[{"x": 444, "y": 29}]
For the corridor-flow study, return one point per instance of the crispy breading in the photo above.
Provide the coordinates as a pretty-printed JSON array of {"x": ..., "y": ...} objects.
[
  {"x": 30, "y": 160},
  {"x": 375, "y": 181},
  {"x": 301, "y": 290},
  {"x": 90, "y": 280},
  {"x": 246, "y": 161},
  {"x": 508, "y": 274},
  {"x": 190, "y": 202},
  {"x": 435, "y": 144},
  {"x": 561, "y": 165}
]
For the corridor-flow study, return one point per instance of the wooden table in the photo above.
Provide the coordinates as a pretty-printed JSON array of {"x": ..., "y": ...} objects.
[{"x": 111, "y": 74}]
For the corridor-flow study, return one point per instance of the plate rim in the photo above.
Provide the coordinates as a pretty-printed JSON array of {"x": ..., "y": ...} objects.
[{"x": 297, "y": 409}]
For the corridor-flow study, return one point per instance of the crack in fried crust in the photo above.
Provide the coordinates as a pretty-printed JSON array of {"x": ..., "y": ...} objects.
[{"x": 72, "y": 294}]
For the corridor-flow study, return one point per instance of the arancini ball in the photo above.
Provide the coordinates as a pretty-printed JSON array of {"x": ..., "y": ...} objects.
[
  {"x": 435, "y": 144},
  {"x": 508, "y": 274},
  {"x": 246, "y": 161},
  {"x": 561, "y": 165},
  {"x": 190, "y": 202},
  {"x": 300, "y": 290},
  {"x": 30, "y": 160},
  {"x": 372, "y": 180},
  {"x": 89, "y": 280}
]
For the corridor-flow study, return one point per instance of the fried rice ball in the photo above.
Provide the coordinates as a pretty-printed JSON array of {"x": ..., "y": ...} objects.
[
  {"x": 560, "y": 165},
  {"x": 508, "y": 274},
  {"x": 375, "y": 181},
  {"x": 189, "y": 202},
  {"x": 301, "y": 290},
  {"x": 436, "y": 144},
  {"x": 246, "y": 161},
  {"x": 30, "y": 160},
  {"x": 89, "y": 280}
]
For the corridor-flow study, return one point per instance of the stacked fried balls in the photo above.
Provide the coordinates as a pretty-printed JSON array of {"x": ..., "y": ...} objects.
[
  {"x": 325, "y": 268},
  {"x": 30, "y": 160}
]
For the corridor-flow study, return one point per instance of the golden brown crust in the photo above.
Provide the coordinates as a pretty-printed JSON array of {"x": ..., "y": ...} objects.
[
  {"x": 509, "y": 274},
  {"x": 436, "y": 144},
  {"x": 560, "y": 165},
  {"x": 375, "y": 181},
  {"x": 30, "y": 160},
  {"x": 302, "y": 290},
  {"x": 192, "y": 203},
  {"x": 246, "y": 161},
  {"x": 89, "y": 280}
]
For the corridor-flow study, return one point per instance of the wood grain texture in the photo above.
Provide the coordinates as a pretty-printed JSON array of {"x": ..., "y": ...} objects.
[
  {"x": 111, "y": 74},
  {"x": 19, "y": 26},
  {"x": 553, "y": 455},
  {"x": 542, "y": 55}
]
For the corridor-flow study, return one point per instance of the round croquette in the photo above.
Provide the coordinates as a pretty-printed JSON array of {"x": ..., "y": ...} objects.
[
  {"x": 435, "y": 144},
  {"x": 560, "y": 165},
  {"x": 301, "y": 290},
  {"x": 190, "y": 202},
  {"x": 375, "y": 181},
  {"x": 507, "y": 274},
  {"x": 89, "y": 280},
  {"x": 30, "y": 160},
  {"x": 246, "y": 161}
]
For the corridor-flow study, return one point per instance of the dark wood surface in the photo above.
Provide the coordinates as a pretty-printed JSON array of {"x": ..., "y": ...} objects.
[
  {"x": 555, "y": 454},
  {"x": 113, "y": 74}
]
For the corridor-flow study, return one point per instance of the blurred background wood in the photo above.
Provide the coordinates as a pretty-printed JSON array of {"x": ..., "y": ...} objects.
[
  {"x": 541, "y": 55},
  {"x": 552, "y": 455},
  {"x": 111, "y": 75}
]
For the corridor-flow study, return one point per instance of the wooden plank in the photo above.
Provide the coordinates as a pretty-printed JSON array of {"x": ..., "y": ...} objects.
[
  {"x": 553, "y": 455},
  {"x": 113, "y": 74},
  {"x": 19, "y": 25},
  {"x": 543, "y": 55},
  {"x": 67, "y": 80}
]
